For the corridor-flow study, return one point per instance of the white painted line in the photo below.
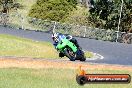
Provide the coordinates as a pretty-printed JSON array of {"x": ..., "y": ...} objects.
[{"x": 95, "y": 57}]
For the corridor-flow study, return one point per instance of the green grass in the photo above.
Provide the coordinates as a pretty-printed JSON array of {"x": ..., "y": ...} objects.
[
  {"x": 50, "y": 78},
  {"x": 14, "y": 46},
  {"x": 21, "y": 47},
  {"x": 89, "y": 54}
]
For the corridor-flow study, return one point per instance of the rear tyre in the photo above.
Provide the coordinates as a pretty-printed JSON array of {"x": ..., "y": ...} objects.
[{"x": 83, "y": 57}]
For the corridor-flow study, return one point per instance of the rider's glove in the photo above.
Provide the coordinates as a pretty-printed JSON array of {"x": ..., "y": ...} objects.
[{"x": 55, "y": 44}]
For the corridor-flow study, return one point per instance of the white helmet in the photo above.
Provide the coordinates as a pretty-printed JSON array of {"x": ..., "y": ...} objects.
[{"x": 55, "y": 37}]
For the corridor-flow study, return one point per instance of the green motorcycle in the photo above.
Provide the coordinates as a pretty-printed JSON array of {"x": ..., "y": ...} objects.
[{"x": 70, "y": 50}]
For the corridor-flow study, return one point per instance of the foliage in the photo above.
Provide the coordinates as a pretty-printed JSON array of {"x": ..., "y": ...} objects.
[
  {"x": 52, "y": 9},
  {"x": 100, "y": 12},
  {"x": 7, "y": 5},
  {"x": 126, "y": 19},
  {"x": 107, "y": 12},
  {"x": 78, "y": 16}
]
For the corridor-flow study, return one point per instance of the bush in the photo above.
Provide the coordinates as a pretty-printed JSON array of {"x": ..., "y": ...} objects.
[
  {"x": 78, "y": 16},
  {"x": 52, "y": 9}
]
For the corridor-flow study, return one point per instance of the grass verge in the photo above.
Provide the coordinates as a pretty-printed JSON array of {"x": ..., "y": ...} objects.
[
  {"x": 50, "y": 78},
  {"x": 21, "y": 47}
]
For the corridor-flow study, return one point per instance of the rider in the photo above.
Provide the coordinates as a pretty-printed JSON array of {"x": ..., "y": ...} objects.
[{"x": 57, "y": 37}]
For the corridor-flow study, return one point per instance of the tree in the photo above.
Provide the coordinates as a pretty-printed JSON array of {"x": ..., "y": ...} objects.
[
  {"x": 7, "y": 5},
  {"x": 108, "y": 12},
  {"x": 55, "y": 10},
  {"x": 100, "y": 12},
  {"x": 126, "y": 17}
]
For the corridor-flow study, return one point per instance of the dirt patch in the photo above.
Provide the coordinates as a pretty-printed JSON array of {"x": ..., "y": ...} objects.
[{"x": 42, "y": 63}]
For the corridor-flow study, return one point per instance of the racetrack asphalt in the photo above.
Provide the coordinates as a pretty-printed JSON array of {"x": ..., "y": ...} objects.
[{"x": 113, "y": 53}]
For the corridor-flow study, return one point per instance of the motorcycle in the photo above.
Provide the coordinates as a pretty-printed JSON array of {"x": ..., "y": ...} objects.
[{"x": 70, "y": 50}]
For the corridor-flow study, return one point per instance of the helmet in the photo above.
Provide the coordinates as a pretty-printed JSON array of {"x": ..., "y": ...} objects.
[{"x": 55, "y": 37}]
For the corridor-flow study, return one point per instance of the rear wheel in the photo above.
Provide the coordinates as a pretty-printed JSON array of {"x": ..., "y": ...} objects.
[{"x": 83, "y": 57}]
